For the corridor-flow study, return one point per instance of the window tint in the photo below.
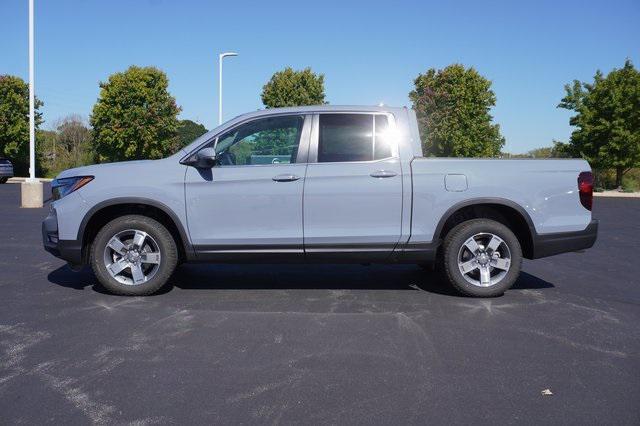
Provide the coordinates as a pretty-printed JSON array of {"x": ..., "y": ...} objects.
[
  {"x": 350, "y": 137},
  {"x": 382, "y": 140},
  {"x": 345, "y": 137},
  {"x": 272, "y": 140}
]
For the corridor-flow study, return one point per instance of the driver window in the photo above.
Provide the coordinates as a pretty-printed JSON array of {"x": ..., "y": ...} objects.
[{"x": 272, "y": 140}]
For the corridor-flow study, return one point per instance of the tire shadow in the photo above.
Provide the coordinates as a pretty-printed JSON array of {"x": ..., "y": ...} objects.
[{"x": 287, "y": 277}]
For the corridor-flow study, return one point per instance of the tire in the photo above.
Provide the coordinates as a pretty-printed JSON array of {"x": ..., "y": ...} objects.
[
  {"x": 125, "y": 266},
  {"x": 3, "y": 180},
  {"x": 492, "y": 267}
]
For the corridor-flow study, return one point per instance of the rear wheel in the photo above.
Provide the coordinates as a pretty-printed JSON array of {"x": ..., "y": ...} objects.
[
  {"x": 481, "y": 258},
  {"x": 3, "y": 180},
  {"x": 133, "y": 255}
]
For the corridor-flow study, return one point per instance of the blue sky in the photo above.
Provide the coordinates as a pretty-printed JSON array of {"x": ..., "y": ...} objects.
[{"x": 369, "y": 51}]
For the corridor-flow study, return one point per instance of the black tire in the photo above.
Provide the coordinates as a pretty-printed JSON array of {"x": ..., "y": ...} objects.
[
  {"x": 452, "y": 246},
  {"x": 160, "y": 236},
  {"x": 3, "y": 180}
]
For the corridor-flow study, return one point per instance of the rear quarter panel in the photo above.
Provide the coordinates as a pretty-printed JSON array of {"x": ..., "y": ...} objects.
[{"x": 546, "y": 189}]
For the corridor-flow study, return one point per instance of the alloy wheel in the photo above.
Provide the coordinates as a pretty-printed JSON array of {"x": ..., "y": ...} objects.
[
  {"x": 484, "y": 259},
  {"x": 132, "y": 257}
]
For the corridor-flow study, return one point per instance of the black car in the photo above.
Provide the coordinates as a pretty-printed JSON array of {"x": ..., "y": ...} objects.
[{"x": 6, "y": 170}]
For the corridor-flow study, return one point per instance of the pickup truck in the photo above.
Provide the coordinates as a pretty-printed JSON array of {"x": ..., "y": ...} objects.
[{"x": 329, "y": 184}]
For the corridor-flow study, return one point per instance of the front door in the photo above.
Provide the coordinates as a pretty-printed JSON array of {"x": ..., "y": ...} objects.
[
  {"x": 353, "y": 188},
  {"x": 250, "y": 203}
]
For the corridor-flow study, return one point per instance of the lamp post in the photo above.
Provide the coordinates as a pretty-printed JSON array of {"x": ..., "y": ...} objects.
[
  {"x": 32, "y": 127},
  {"x": 220, "y": 58},
  {"x": 31, "y": 188}
]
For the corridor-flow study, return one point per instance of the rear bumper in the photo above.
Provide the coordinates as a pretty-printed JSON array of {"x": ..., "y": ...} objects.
[
  {"x": 562, "y": 242},
  {"x": 69, "y": 250}
]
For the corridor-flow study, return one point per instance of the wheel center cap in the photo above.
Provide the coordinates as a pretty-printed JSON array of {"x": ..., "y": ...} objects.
[
  {"x": 133, "y": 256},
  {"x": 483, "y": 259}
]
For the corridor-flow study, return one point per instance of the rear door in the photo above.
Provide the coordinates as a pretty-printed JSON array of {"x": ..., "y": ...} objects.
[{"x": 353, "y": 188}]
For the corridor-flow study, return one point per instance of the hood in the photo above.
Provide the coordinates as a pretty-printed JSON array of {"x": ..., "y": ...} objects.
[
  {"x": 98, "y": 169},
  {"x": 129, "y": 167}
]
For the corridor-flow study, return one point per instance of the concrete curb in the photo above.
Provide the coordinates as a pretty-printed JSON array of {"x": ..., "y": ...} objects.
[
  {"x": 617, "y": 194},
  {"x": 22, "y": 179}
]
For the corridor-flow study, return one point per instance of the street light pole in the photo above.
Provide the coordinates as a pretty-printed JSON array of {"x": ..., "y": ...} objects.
[
  {"x": 31, "y": 189},
  {"x": 32, "y": 101},
  {"x": 220, "y": 58}
]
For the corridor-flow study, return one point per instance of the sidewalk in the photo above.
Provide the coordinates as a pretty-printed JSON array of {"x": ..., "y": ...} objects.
[{"x": 617, "y": 194}]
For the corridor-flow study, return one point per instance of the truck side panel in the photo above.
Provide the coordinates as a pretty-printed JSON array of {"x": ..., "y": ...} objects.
[{"x": 545, "y": 189}]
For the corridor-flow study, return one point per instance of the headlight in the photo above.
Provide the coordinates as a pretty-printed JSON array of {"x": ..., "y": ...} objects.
[{"x": 65, "y": 186}]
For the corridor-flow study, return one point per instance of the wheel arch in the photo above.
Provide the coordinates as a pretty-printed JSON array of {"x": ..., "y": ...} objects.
[
  {"x": 100, "y": 214},
  {"x": 502, "y": 210}
]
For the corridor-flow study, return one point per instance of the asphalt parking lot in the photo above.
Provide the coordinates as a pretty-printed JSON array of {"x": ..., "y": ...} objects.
[{"x": 321, "y": 343}]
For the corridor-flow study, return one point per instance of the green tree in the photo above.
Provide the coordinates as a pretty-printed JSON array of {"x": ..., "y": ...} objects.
[
  {"x": 68, "y": 146},
  {"x": 452, "y": 106},
  {"x": 555, "y": 151},
  {"x": 293, "y": 88},
  {"x": 14, "y": 121},
  {"x": 72, "y": 145},
  {"x": 74, "y": 138},
  {"x": 135, "y": 117},
  {"x": 545, "y": 152},
  {"x": 188, "y": 131},
  {"x": 45, "y": 142},
  {"x": 607, "y": 119}
]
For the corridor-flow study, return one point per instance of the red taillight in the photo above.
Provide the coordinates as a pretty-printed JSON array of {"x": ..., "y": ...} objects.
[{"x": 585, "y": 188}]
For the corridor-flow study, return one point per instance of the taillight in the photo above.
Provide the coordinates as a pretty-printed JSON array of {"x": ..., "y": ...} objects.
[{"x": 585, "y": 188}]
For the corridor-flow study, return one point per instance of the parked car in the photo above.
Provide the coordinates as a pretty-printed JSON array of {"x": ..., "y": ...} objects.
[
  {"x": 319, "y": 184},
  {"x": 6, "y": 170}
]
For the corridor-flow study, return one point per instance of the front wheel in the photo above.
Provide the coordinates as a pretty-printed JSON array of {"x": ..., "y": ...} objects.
[
  {"x": 481, "y": 258},
  {"x": 133, "y": 255},
  {"x": 3, "y": 180}
]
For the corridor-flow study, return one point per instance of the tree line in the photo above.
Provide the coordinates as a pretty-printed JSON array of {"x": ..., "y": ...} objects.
[{"x": 136, "y": 117}]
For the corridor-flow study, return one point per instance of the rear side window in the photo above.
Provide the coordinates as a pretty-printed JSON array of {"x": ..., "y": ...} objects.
[
  {"x": 382, "y": 139},
  {"x": 351, "y": 137}
]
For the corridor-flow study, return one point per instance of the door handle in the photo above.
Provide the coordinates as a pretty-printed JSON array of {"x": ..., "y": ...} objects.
[
  {"x": 383, "y": 174},
  {"x": 285, "y": 178}
]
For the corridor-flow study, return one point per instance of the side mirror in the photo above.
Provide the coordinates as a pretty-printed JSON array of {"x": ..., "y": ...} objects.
[{"x": 205, "y": 158}]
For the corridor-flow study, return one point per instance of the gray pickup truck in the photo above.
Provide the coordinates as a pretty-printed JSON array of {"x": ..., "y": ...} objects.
[{"x": 318, "y": 184}]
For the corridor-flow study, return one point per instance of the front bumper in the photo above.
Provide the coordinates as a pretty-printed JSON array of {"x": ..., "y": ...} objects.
[
  {"x": 69, "y": 250},
  {"x": 562, "y": 242}
]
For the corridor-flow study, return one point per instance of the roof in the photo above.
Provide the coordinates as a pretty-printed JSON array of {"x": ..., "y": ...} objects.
[{"x": 320, "y": 108}]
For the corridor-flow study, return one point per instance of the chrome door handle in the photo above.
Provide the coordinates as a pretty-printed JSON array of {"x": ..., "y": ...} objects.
[
  {"x": 285, "y": 178},
  {"x": 383, "y": 174}
]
